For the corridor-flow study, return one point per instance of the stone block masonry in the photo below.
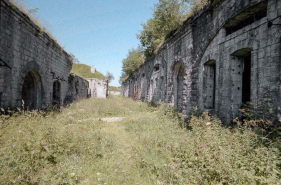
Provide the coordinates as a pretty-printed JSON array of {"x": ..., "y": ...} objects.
[
  {"x": 78, "y": 88},
  {"x": 97, "y": 87},
  {"x": 221, "y": 58},
  {"x": 34, "y": 69},
  {"x": 114, "y": 93}
]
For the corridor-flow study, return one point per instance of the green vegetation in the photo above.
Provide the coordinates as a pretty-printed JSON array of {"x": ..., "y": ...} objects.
[
  {"x": 112, "y": 88},
  {"x": 84, "y": 71},
  {"x": 149, "y": 146},
  {"x": 131, "y": 63},
  {"x": 168, "y": 16},
  {"x": 29, "y": 13}
]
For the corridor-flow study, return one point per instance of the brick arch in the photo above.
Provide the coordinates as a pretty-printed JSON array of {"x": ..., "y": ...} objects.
[
  {"x": 31, "y": 71},
  {"x": 31, "y": 93}
]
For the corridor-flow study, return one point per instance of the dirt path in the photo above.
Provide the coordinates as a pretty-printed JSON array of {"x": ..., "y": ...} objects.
[{"x": 109, "y": 119}]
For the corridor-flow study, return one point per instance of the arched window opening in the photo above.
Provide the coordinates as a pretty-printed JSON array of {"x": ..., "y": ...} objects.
[
  {"x": 32, "y": 91},
  {"x": 209, "y": 84},
  {"x": 247, "y": 17},
  {"x": 56, "y": 93}
]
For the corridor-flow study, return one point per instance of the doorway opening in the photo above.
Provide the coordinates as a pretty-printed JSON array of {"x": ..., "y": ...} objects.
[
  {"x": 241, "y": 79},
  {"x": 32, "y": 91},
  {"x": 56, "y": 93},
  {"x": 178, "y": 79},
  {"x": 246, "y": 80},
  {"x": 209, "y": 84}
]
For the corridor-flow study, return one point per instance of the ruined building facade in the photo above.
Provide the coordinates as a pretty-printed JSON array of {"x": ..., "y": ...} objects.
[
  {"x": 227, "y": 54},
  {"x": 97, "y": 87},
  {"x": 34, "y": 69}
]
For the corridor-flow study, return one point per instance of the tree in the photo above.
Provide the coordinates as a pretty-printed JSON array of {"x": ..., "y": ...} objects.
[
  {"x": 109, "y": 77},
  {"x": 132, "y": 62},
  {"x": 123, "y": 77},
  {"x": 167, "y": 16}
]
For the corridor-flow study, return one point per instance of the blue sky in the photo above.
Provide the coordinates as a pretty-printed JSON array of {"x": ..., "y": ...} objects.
[{"x": 97, "y": 32}]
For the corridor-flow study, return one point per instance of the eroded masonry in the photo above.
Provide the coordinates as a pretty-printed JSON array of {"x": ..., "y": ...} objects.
[
  {"x": 224, "y": 56},
  {"x": 34, "y": 69}
]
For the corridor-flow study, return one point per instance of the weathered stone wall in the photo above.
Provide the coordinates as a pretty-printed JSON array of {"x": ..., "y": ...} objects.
[
  {"x": 97, "y": 87},
  {"x": 78, "y": 88},
  {"x": 221, "y": 57},
  {"x": 34, "y": 68},
  {"x": 114, "y": 93}
]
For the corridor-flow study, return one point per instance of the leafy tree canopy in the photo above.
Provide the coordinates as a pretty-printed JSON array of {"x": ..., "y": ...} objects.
[
  {"x": 131, "y": 63},
  {"x": 167, "y": 16}
]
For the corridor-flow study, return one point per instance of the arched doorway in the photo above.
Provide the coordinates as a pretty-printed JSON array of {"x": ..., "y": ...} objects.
[
  {"x": 32, "y": 91},
  {"x": 56, "y": 93},
  {"x": 178, "y": 78}
]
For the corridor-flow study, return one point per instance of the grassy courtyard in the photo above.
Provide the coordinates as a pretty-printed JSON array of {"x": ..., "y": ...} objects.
[{"x": 120, "y": 141}]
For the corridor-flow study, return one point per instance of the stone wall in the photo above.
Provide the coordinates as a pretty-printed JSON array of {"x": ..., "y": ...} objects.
[
  {"x": 222, "y": 57},
  {"x": 97, "y": 87},
  {"x": 78, "y": 88},
  {"x": 34, "y": 69},
  {"x": 114, "y": 93}
]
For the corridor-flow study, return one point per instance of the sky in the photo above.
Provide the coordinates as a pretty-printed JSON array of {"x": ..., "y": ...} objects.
[{"x": 98, "y": 32}]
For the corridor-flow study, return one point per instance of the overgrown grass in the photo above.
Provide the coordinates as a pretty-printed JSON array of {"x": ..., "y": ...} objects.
[
  {"x": 84, "y": 71},
  {"x": 147, "y": 147}
]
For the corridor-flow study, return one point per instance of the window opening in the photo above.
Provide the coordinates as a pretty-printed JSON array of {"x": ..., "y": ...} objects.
[{"x": 247, "y": 17}]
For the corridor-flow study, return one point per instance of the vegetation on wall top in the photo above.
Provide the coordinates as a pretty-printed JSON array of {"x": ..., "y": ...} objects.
[
  {"x": 168, "y": 16},
  {"x": 84, "y": 71},
  {"x": 42, "y": 29}
]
